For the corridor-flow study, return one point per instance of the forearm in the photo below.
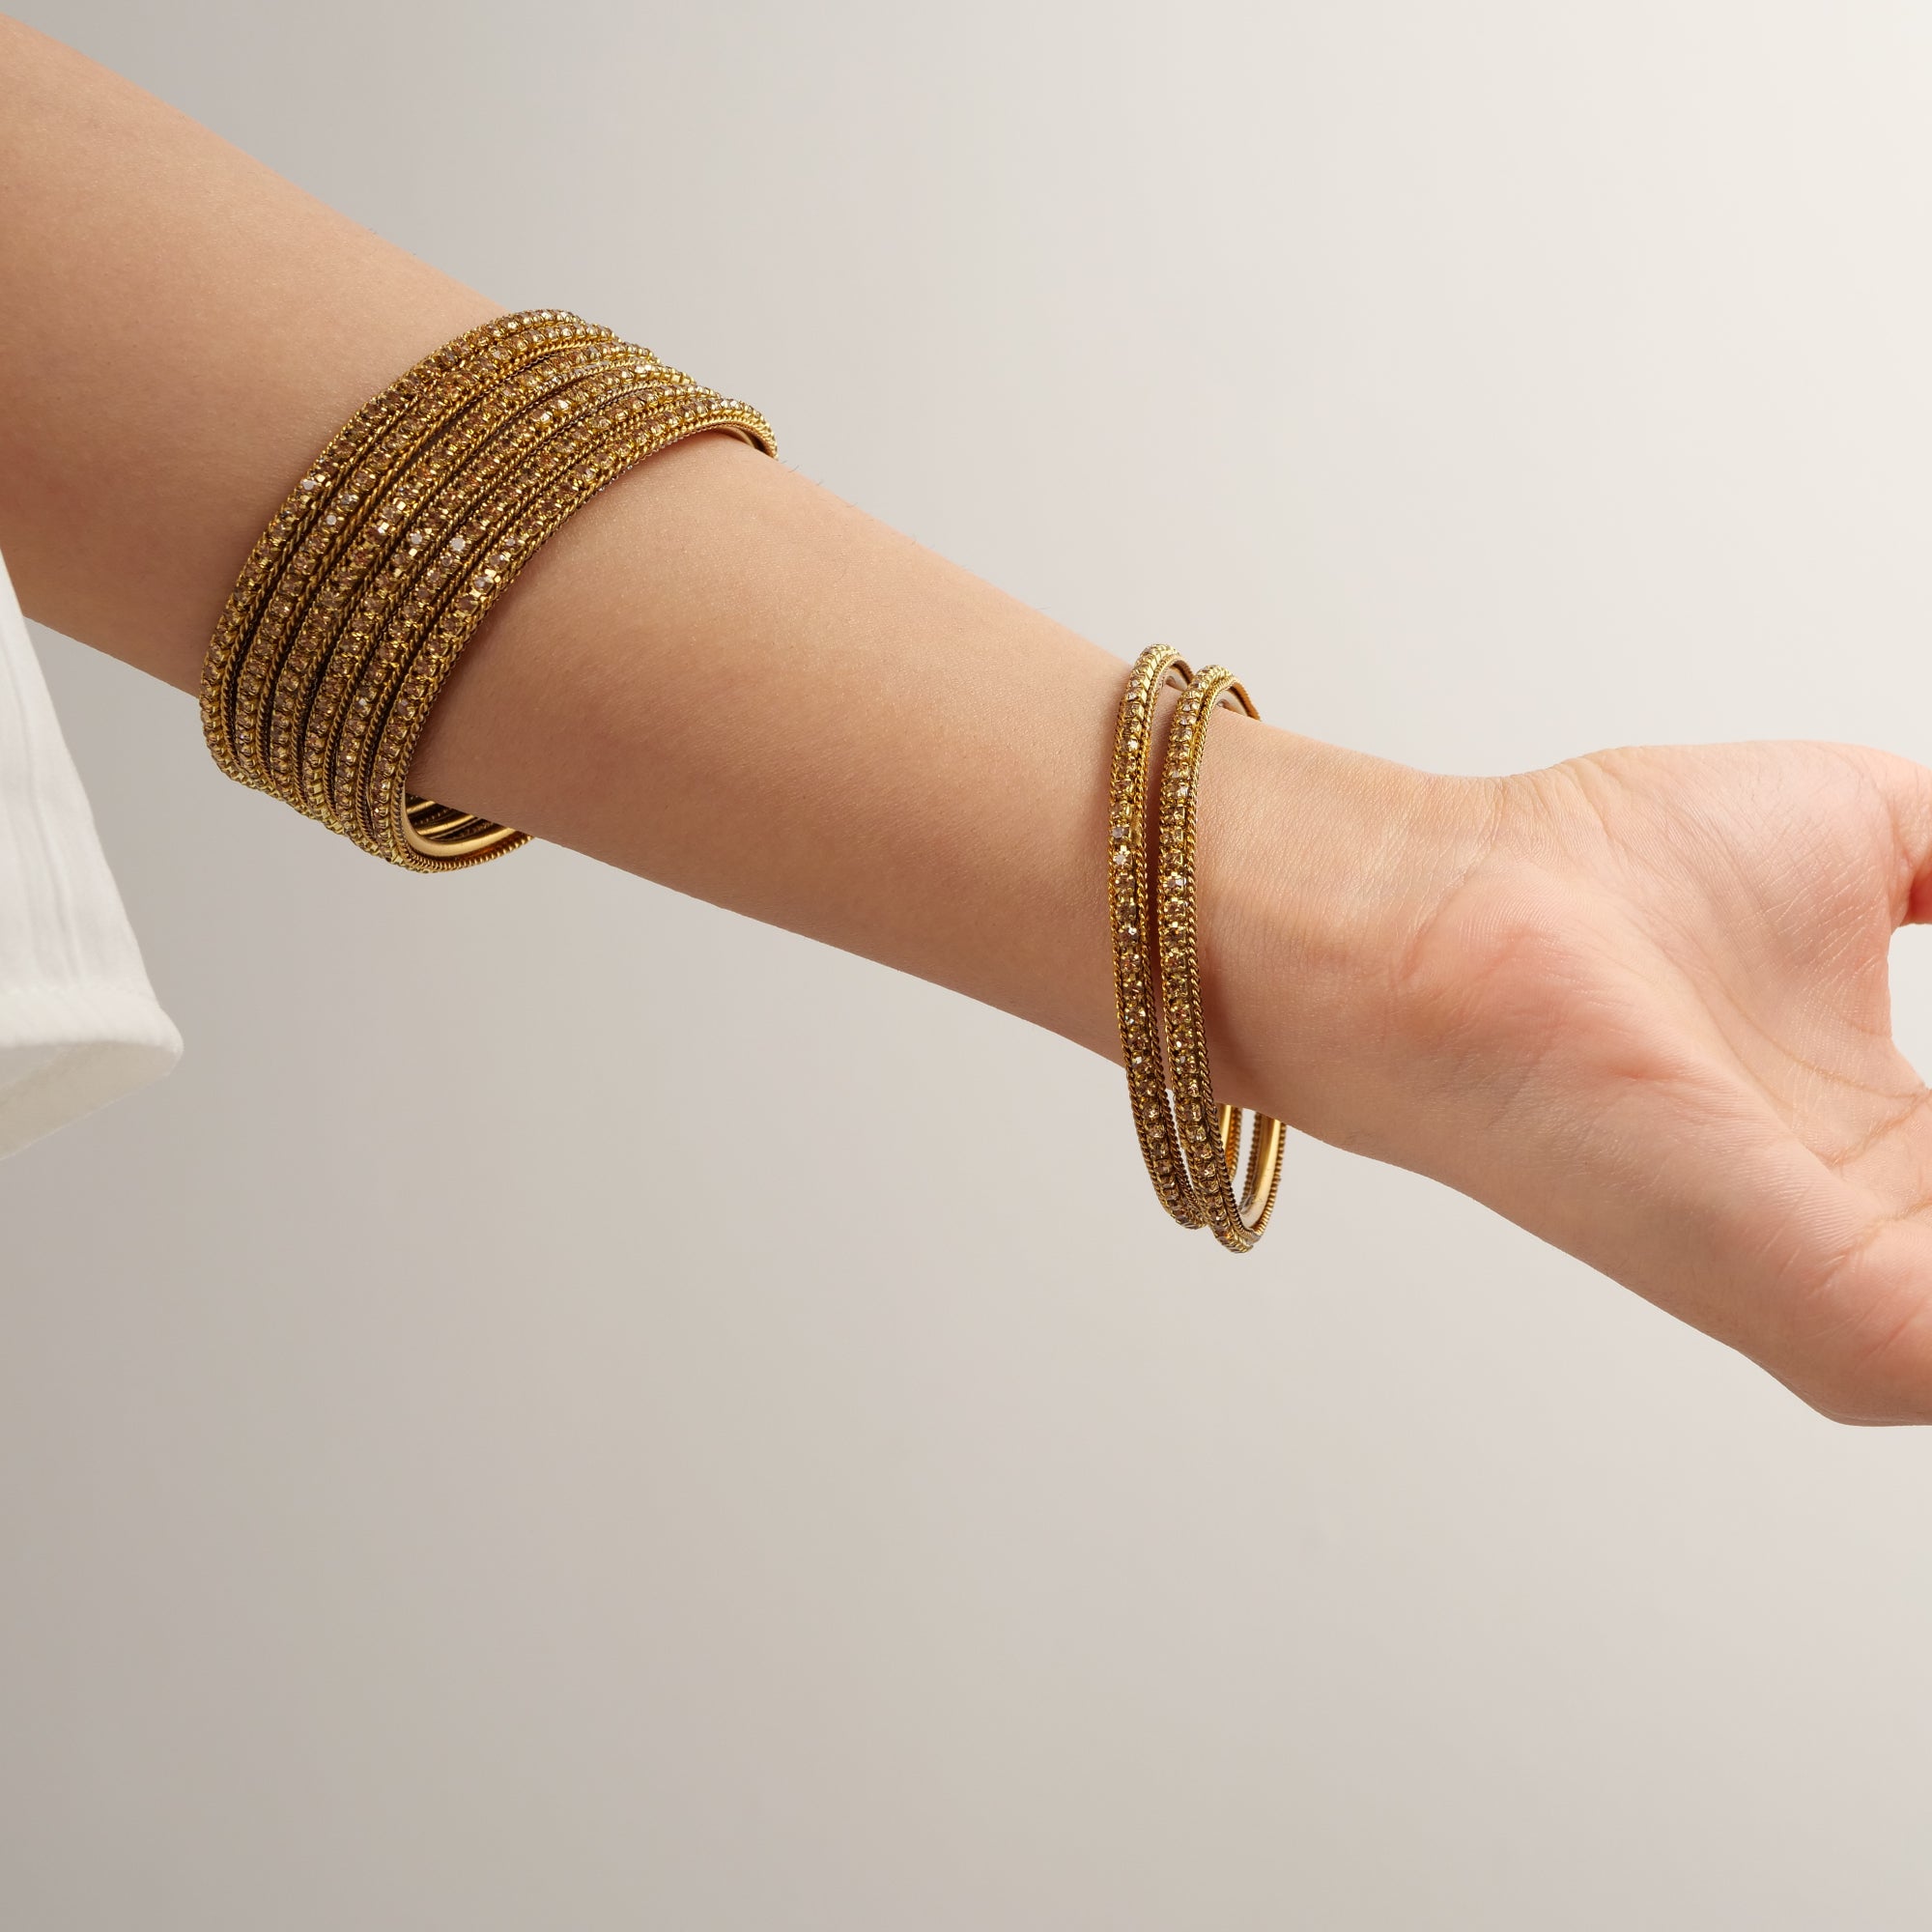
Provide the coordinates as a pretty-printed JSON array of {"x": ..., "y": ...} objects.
[
  {"x": 722, "y": 677},
  {"x": 716, "y": 674}
]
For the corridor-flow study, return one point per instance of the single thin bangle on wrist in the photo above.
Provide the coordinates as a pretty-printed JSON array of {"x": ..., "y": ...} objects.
[
  {"x": 1211, "y": 1131},
  {"x": 1132, "y": 918}
]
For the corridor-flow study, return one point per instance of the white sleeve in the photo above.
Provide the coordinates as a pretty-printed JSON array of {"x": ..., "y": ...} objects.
[{"x": 79, "y": 1025}]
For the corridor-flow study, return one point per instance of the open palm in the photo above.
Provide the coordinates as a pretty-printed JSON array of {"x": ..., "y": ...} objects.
[{"x": 1650, "y": 1021}]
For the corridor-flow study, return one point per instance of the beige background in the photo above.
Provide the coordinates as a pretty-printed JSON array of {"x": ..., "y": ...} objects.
[{"x": 571, "y": 1410}]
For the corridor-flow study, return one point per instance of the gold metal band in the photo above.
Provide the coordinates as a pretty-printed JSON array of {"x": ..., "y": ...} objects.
[
  {"x": 1210, "y": 1133},
  {"x": 1131, "y": 914},
  {"x": 420, "y": 512}
]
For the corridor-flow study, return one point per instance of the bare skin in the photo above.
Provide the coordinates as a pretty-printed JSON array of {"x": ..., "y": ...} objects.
[{"x": 1635, "y": 1002}]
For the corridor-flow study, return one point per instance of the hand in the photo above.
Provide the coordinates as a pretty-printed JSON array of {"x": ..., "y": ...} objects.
[{"x": 1637, "y": 1003}]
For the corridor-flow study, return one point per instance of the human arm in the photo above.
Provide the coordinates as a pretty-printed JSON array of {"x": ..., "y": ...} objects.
[{"x": 1637, "y": 1001}]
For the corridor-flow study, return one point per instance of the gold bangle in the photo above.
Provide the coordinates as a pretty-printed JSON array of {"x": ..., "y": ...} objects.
[
  {"x": 417, "y": 831},
  {"x": 1131, "y": 916},
  {"x": 418, "y": 514},
  {"x": 455, "y": 532},
  {"x": 1210, "y": 1134},
  {"x": 416, "y": 499},
  {"x": 321, "y": 511}
]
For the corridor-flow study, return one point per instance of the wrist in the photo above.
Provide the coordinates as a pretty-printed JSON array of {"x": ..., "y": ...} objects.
[{"x": 1320, "y": 867}]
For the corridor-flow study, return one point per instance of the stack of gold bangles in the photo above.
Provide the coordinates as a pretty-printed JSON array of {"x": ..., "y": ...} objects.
[
  {"x": 1192, "y": 1144},
  {"x": 356, "y": 600}
]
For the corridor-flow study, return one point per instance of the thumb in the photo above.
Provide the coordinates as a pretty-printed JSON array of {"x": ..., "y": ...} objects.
[{"x": 1906, "y": 788}]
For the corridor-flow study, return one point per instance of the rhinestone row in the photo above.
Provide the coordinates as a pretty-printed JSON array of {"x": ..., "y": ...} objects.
[
  {"x": 1136, "y": 978},
  {"x": 1210, "y": 1133},
  {"x": 396, "y": 540}
]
